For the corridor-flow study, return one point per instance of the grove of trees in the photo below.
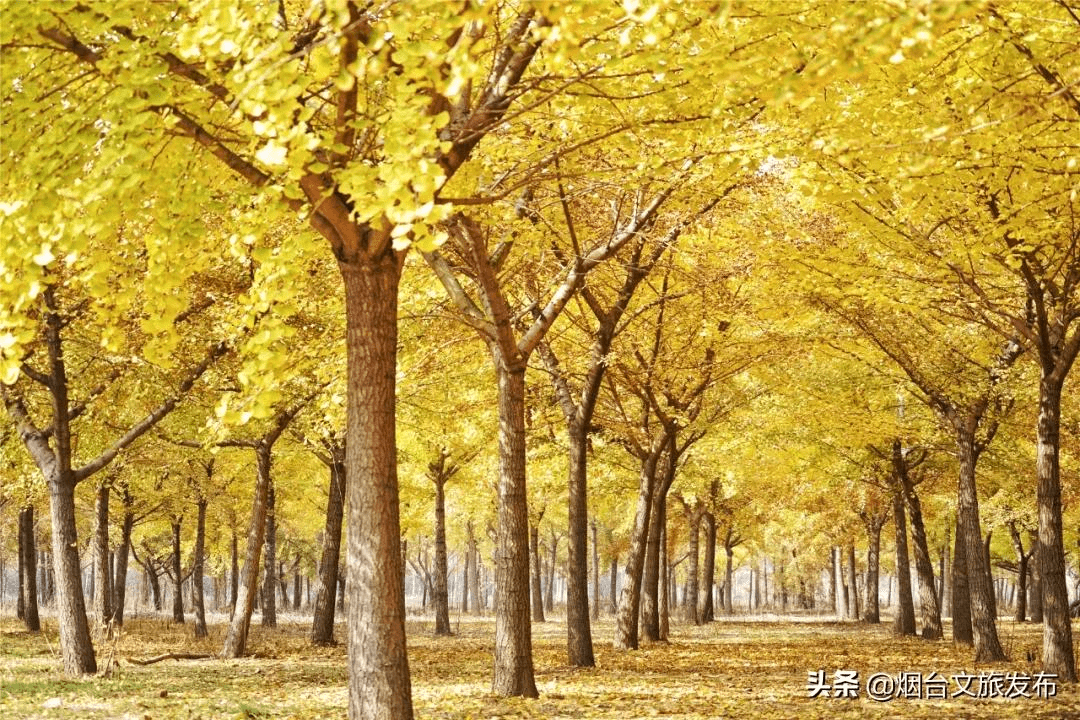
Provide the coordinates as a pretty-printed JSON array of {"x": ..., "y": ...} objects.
[{"x": 498, "y": 307}]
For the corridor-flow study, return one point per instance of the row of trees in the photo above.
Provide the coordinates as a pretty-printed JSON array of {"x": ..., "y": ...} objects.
[{"x": 674, "y": 216}]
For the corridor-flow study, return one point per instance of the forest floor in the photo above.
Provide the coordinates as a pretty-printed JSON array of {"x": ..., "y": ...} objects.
[{"x": 743, "y": 667}]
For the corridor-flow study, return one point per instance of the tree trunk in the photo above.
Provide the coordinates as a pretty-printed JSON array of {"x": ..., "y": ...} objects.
[
  {"x": 442, "y": 598},
  {"x": 322, "y": 624},
  {"x": 102, "y": 577},
  {"x": 578, "y": 627},
  {"x": 980, "y": 583},
  {"x": 1057, "y": 631},
  {"x": 75, "y": 644},
  {"x": 269, "y": 583},
  {"x": 466, "y": 579},
  {"x": 729, "y": 607},
  {"x": 513, "y": 632},
  {"x": 236, "y": 638},
  {"x": 197, "y": 569},
  {"x": 474, "y": 585},
  {"x": 853, "y": 607},
  {"x": 929, "y": 610},
  {"x": 595, "y": 607},
  {"x": 626, "y": 616},
  {"x": 961, "y": 598},
  {"x": 709, "y": 569},
  {"x": 549, "y": 588},
  {"x": 1021, "y": 572},
  {"x": 379, "y": 684},
  {"x": 873, "y": 554},
  {"x": 833, "y": 596},
  {"x": 298, "y": 583},
  {"x": 177, "y": 576},
  {"x": 613, "y": 583},
  {"x": 123, "y": 551},
  {"x": 946, "y": 572},
  {"x": 664, "y": 586},
  {"x": 1035, "y": 585},
  {"x": 690, "y": 606},
  {"x": 650, "y": 580},
  {"x": 28, "y": 570},
  {"x": 905, "y": 614},
  {"x": 534, "y": 585}
]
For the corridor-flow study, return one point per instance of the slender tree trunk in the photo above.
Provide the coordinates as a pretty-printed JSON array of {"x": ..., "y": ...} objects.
[
  {"x": 946, "y": 572},
  {"x": 1021, "y": 572},
  {"x": 595, "y": 606},
  {"x": 269, "y": 583},
  {"x": 466, "y": 579},
  {"x": 322, "y": 624},
  {"x": 28, "y": 593},
  {"x": 75, "y": 644},
  {"x": 853, "y": 608},
  {"x": 664, "y": 586},
  {"x": 650, "y": 581},
  {"x": 929, "y": 610},
  {"x": 709, "y": 569},
  {"x": 236, "y": 638},
  {"x": 873, "y": 554},
  {"x": 298, "y": 583},
  {"x": 626, "y": 616},
  {"x": 1058, "y": 655},
  {"x": 961, "y": 598},
  {"x": 123, "y": 551},
  {"x": 833, "y": 599},
  {"x": 197, "y": 569},
  {"x": 578, "y": 627},
  {"x": 379, "y": 684},
  {"x": 102, "y": 576},
  {"x": 980, "y": 587},
  {"x": 442, "y": 598},
  {"x": 729, "y": 607},
  {"x": 177, "y": 575},
  {"x": 513, "y": 632},
  {"x": 905, "y": 614},
  {"x": 613, "y": 584},
  {"x": 690, "y": 606},
  {"x": 549, "y": 588},
  {"x": 535, "y": 585},
  {"x": 474, "y": 585}
]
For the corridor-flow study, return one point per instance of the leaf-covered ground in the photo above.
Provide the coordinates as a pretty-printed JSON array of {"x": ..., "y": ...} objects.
[{"x": 728, "y": 669}]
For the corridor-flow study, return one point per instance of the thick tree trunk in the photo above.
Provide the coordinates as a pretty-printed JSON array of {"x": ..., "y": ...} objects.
[
  {"x": 123, "y": 551},
  {"x": 961, "y": 598},
  {"x": 980, "y": 583},
  {"x": 626, "y": 615},
  {"x": 322, "y": 624},
  {"x": 102, "y": 577},
  {"x": 905, "y": 614},
  {"x": 379, "y": 684},
  {"x": 929, "y": 610},
  {"x": 534, "y": 584},
  {"x": 177, "y": 575},
  {"x": 709, "y": 570},
  {"x": 650, "y": 580},
  {"x": 28, "y": 594},
  {"x": 513, "y": 632},
  {"x": 75, "y": 644},
  {"x": 269, "y": 582},
  {"x": 236, "y": 638},
  {"x": 442, "y": 598},
  {"x": 1035, "y": 584},
  {"x": 1058, "y": 655},
  {"x": 197, "y": 569},
  {"x": 578, "y": 627},
  {"x": 873, "y": 555}
]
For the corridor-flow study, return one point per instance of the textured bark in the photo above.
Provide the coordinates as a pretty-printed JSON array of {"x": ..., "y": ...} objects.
[
  {"x": 102, "y": 576},
  {"x": 474, "y": 585},
  {"x": 980, "y": 583},
  {"x": 626, "y": 614},
  {"x": 269, "y": 581},
  {"x": 535, "y": 574},
  {"x": 690, "y": 605},
  {"x": 466, "y": 578},
  {"x": 665, "y": 586},
  {"x": 708, "y": 576},
  {"x": 578, "y": 625},
  {"x": 905, "y": 614},
  {"x": 731, "y": 540},
  {"x": 322, "y": 624},
  {"x": 234, "y": 575},
  {"x": 197, "y": 600},
  {"x": 833, "y": 596},
  {"x": 176, "y": 575},
  {"x": 75, "y": 644},
  {"x": 873, "y": 555},
  {"x": 961, "y": 598},
  {"x": 1035, "y": 584},
  {"x": 28, "y": 593},
  {"x": 929, "y": 609},
  {"x": 442, "y": 598},
  {"x": 123, "y": 550},
  {"x": 549, "y": 587},
  {"x": 513, "y": 631},
  {"x": 1058, "y": 655},
  {"x": 379, "y": 684},
  {"x": 240, "y": 624},
  {"x": 650, "y": 579},
  {"x": 946, "y": 572},
  {"x": 613, "y": 584}
]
